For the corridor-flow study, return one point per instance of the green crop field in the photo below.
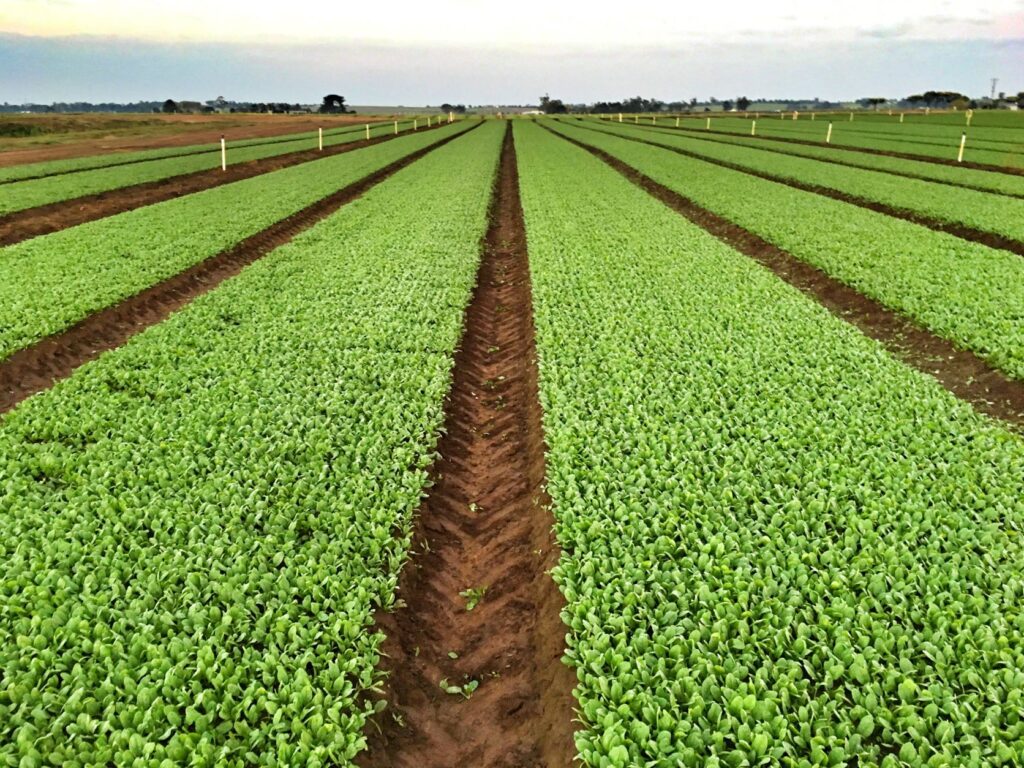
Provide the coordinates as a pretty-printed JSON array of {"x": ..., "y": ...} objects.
[{"x": 532, "y": 442}]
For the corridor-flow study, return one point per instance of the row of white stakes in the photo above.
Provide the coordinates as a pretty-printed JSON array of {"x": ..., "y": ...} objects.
[
  {"x": 828, "y": 135},
  {"x": 320, "y": 137}
]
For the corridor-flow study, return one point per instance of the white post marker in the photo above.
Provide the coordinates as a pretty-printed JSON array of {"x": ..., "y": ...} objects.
[
  {"x": 321, "y": 142},
  {"x": 851, "y": 117},
  {"x": 753, "y": 127},
  {"x": 396, "y": 127},
  {"x": 812, "y": 116},
  {"x": 415, "y": 123},
  {"x": 677, "y": 122},
  {"x": 927, "y": 110},
  {"x": 794, "y": 114},
  {"x": 654, "y": 120},
  {"x": 963, "y": 141},
  {"x": 451, "y": 117},
  {"x": 620, "y": 117},
  {"x": 828, "y": 136},
  {"x": 970, "y": 114},
  {"x": 901, "y": 117},
  {"x": 708, "y": 126},
  {"x": 223, "y": 154},
  {"x": 636, "y": 119},
  {"x": 367, "y": 131}
]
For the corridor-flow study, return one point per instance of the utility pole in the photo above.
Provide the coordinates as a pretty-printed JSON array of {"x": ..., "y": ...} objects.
[{"x": 994, "y": 81}]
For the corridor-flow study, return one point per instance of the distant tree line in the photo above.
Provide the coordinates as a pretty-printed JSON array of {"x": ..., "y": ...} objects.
[{"x": 639, "y": 104}]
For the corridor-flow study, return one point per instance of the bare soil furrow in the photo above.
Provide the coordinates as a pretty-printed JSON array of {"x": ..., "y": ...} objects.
[
  {"x": 35, "y": 368},
  {"x": 960, "y": 371},
  {"x": 483, "y": 526}
]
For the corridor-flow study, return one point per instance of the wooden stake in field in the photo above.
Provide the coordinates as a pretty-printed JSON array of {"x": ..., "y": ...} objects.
[
  {"x": 828, "y": 136},
  {"x": 223, "y": 154},
  {"x": 753, "y": 127},
  {"x": 320, "y": 131},
  {"x": 963, "y": 142}
]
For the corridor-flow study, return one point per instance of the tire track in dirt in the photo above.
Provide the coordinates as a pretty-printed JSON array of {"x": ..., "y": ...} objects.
[
  {"x": 53, "y": 217},
  {"x": 972, "y": 234},
  {"x": 960, "y": 371},
  {"x": 483, "y": 524},
  {"x": 35, "y": 368}
]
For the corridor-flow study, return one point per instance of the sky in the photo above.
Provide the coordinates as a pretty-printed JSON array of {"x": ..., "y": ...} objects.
[{"x": 481, "y": 52}]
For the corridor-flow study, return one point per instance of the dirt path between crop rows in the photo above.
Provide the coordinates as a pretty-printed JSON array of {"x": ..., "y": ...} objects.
[
  {"x": 691, "y": 133},
  {"x": 991, "y": 239},
  {"x": 960, "y": 371},
  {"x": 1007, "y": 169},
  {"x": 35, "y": 368},
  {"x": 45, "y": 219},
  {"x": 484, "y": 525}
]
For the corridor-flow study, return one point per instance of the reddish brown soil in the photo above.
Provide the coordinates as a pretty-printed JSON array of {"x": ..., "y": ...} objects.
[
  {"x": 1011, "y": 170},
  {"x": 186, "y": 130},
  {"x": 35, "y": 368},
  {"x": 484, "y": 523},
  {"x": 33, "y": 222},
  {"x": 990, "y": 239},
  {"x": 961, "y": 372},
  {"x": 693, "y": 134}
]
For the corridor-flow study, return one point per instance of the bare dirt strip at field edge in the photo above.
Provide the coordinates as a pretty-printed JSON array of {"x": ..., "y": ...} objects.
[
  {"x": 46, "y": 219},
  {"x": 1010, "y": 170},
  {"x": 991, "y": 239},
  {"x": 176, "y": 131},
  {"x": 36, "y": 368},
  {"x": 960, "y": 371},
  {"x": 484, "y": 525},
  {"x": 698, "y": 136}
]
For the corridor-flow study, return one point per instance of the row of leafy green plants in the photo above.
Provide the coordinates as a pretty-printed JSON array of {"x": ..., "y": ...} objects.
[
  {"x": 780, "y": 545},
  {"x": 980, "y": 210},
  {"x": 964, "y": 291},
  {"x": 52, "y": 282},
  {"x": 969, "y": 178},
  {"x": 197, "y": 527},
  {"x": 21, "y": 195},
  {"x": 845, "y": 135}
]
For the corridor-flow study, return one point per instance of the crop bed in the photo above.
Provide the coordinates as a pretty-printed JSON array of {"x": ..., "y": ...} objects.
[{"x": 525, "y": 447}]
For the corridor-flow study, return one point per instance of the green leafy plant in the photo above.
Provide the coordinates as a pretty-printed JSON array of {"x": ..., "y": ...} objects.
[{"x": 473, "y": 596}]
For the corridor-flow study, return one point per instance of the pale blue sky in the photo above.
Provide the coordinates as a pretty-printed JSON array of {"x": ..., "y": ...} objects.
[{"x": 483, "y": 52}]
